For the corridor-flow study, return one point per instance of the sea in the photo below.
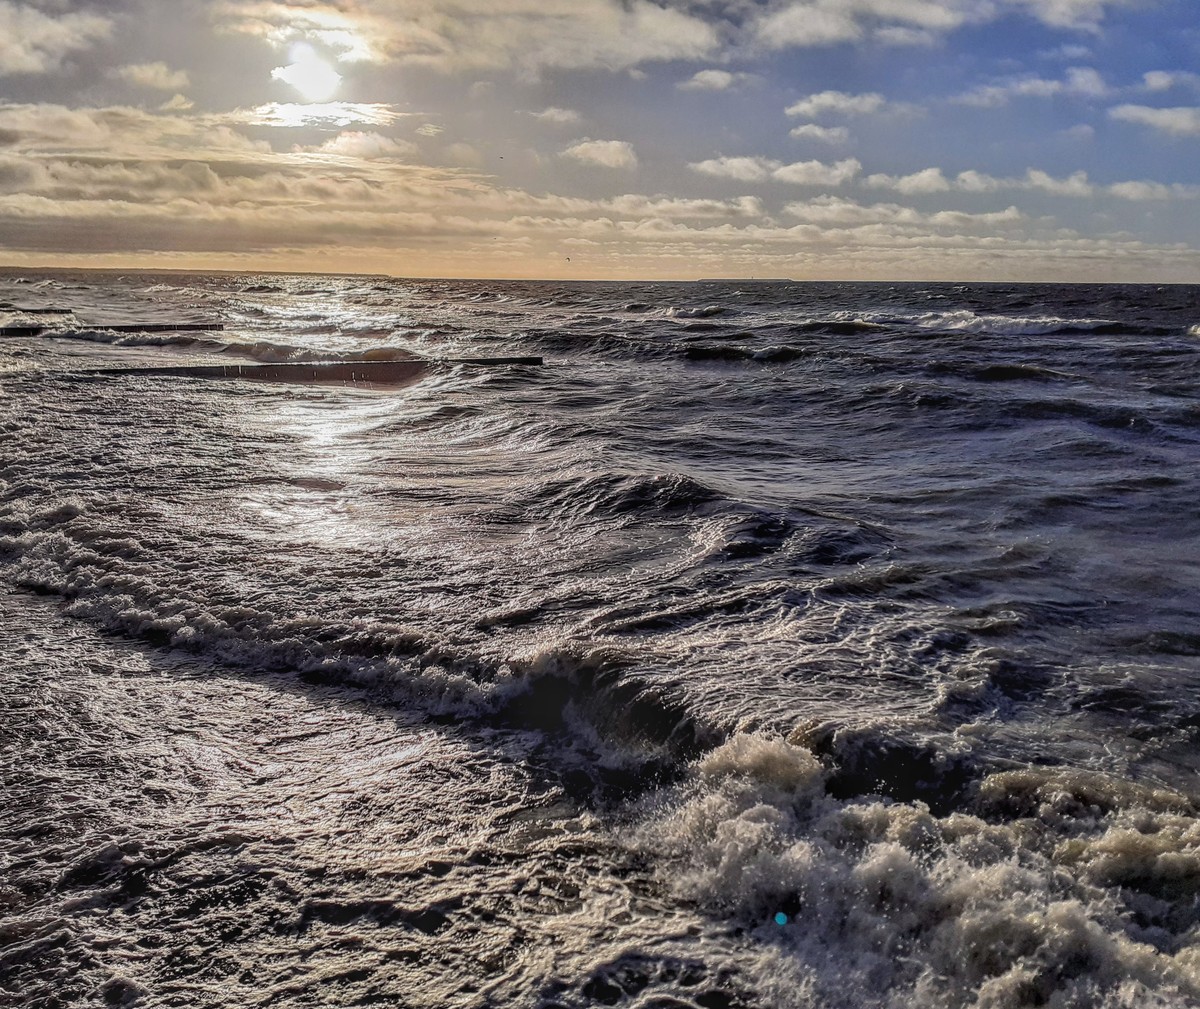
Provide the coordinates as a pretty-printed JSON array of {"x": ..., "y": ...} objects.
[{"x": 818, "y": 645}]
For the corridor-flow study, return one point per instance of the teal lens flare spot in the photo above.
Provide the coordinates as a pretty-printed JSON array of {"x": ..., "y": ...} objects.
[{"x": 781, "y": 918}]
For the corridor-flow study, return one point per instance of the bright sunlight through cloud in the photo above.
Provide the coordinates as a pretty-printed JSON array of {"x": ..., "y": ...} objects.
[{"x": 312, "y": 76}]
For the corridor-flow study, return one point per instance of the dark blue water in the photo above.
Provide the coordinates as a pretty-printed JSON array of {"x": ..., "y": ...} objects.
[{"x": 771, "y": 644}]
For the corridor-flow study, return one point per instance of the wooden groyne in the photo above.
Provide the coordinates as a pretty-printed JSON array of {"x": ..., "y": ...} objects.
[
  {"x": 140, "y": 327},
  {"x": 310, "y": 372}
]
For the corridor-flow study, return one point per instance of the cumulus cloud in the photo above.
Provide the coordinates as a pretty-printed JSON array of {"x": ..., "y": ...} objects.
[
  {"x": 741, "y": 169},
  {"x": 934, "y": 180},
  {"x": 836, "y": 211},
  {"x": 712, "y": 80},
  {"x": 1180, "y": 121},
  {"x": 1165, "y": 80},
  {"x": 1068, "y": 13},
  {"x": 816, "y": 173},
  {"x": 607, "y": 153},
  {"x": 32, "y": 42},
  {"x": 838, "y": 102},
  {"x": 930, "y": 180},
  {"x": 1077, "y": 184},
  {"x": 800, "y": 173},
  {"x": 809, "y": 23},
  {"x": 1082, "y": 82},
  {"x": 826, "y": 134},
  {"x": 153, "y": 75},
  {"x": 557, "y": 116}
]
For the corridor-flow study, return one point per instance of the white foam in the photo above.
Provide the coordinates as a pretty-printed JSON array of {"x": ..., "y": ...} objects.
[{"x": 890, "y": 905}]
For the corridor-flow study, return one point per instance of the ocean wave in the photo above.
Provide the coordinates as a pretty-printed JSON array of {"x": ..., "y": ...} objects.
[
  {"x": 612, "y": 495},
  {"x": 1059, "y": 887},
  {"x": 967, "y": 321},
  {"x": 762, "y": 355},
  {"x": 702, "y": 312}
]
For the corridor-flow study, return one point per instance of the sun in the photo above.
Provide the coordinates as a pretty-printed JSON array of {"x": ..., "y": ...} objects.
[{"x": 312, "y": 76}]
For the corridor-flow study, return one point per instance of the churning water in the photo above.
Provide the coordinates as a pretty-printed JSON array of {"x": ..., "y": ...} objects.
[{"x": 815, "y": 645}]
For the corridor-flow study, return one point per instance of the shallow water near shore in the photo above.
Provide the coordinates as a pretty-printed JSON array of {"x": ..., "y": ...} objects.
[{"x": 808, "y": 645}]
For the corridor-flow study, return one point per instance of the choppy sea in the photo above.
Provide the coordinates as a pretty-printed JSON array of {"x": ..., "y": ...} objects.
[{"x": 770, "y": 644}]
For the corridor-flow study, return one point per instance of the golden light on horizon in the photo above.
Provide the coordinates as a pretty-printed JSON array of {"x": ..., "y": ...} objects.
[{"x": 308, "y": 73}]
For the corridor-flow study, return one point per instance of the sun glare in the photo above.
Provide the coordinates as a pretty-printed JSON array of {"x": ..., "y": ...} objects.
[{"x": 312, "y": 76}]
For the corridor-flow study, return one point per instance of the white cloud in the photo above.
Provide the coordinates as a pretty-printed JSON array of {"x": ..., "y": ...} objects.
[
  {"x": 1085, "y": 14},
  {"x": 934, "y": 180},
  {"x": 1141, "y": 191},
  {"x": 153, "y": 75},
  {"x": 1077, "y": 185},
  {"x": 32, "y": 42},
  {"x": 368, "y": 145},
  {"x": 800, "y": 173},
  {"x": 1179, "y": 121},
  {"x": 557, "y": 116},
  {"x": 712, "y": 80},
  {"x": 1165, "y": 80},
  {"x": 834, "y": 211},
  {"x": 838, "y": 102},
  {"x": 1083, "y": 82},
  {"x": 930, "y": 180},
  {"x": 742, "y": 169},
  {"x": 607, "y": 153},
  {"x": 815, "y": 173},
  {"x": 826, "y": 134},
  {"x": 807, "y": 23}
]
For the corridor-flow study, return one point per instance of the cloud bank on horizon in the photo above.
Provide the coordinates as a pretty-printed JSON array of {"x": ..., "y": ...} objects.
[{"x": 856, "y": 139}]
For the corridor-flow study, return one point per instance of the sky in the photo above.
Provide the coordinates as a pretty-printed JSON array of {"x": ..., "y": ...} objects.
[{"x": 996, "y": 140}]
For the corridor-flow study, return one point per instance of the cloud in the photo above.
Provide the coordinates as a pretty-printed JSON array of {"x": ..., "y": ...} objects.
[
  {"x": 1179, "y": 121},
  {"x": 800, "y": 173},
  {"x": 1085, "y": 14},
  {"x": 837, "y": 102},
  {"x": 1165, "y": 80},
  {"x": 712, "y": 80},
  {"x": 153, "y": 75},
  {"x": 1085, "y": 81},
  {"x": 741, "y": 169},
  {"x": 930, "y": 180},
  {"x": 905, "y": 37},
  {"x": 1082, "y": 82},
  {"x": 815, "y": 173},
  {"x": 809, "y": 23},
  {"x": 490, "y": 34},
  {"x": 32, "y": 42},
  {"x": 556, "y": 115},
  {"x": 608, "y": 153},
  {"x": 1077, "y": 185},
  {"x": 826, "y": 134},
  {"x": 371, "y": 146},
  {"x": 836, "y": 211},
  {"x": 326, "y": 114},
  {"x": 934, "y": 180}
]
